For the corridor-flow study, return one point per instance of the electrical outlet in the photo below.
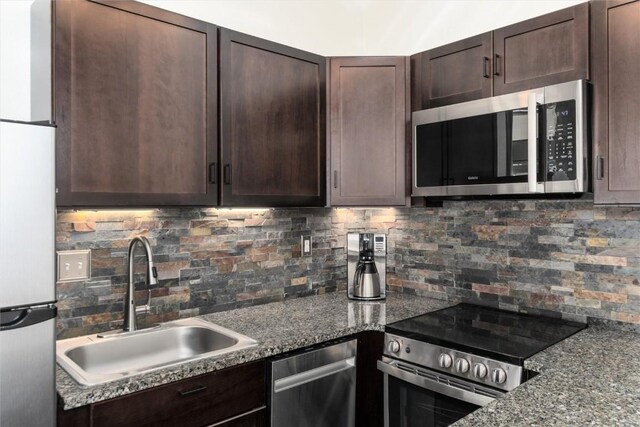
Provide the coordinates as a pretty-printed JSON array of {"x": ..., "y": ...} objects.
[
  {"x": 305, "y": 245},
  {"x": 74, "y": 265}
]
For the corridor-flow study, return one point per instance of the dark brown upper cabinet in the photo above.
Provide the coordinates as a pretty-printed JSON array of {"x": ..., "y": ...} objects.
[
  {"x": 456, "y": 72},
  {"x": 273, "y": 128},
  {"x": 546, "y": 50},
  {"x": 135, "y": 106},
  {"x": 368, "y": 97},
  {"x": 616, "y": 92}
]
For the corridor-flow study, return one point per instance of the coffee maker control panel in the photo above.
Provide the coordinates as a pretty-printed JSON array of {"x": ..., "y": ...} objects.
[{"x": 379, "y": 244}]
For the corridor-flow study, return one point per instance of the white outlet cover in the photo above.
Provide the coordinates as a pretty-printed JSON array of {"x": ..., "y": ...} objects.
[
  {"x": 74, "y": 265},
  {"x": 305, "y": 245}
]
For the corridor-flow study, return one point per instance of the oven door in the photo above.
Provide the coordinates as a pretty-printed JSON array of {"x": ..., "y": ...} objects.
[{"x": 419, "y": 397}]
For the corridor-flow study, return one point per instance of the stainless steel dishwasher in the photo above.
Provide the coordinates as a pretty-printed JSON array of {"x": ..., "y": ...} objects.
[{"x": 315, "y": 388}]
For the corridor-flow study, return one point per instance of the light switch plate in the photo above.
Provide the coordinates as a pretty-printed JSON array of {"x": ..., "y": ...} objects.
[
  {"x": 305, "y": 245},
  {"x": 74, "y": 265}
]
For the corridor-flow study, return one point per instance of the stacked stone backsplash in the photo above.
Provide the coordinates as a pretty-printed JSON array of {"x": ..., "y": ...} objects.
[
  {"x": 207, "y": 260},
  {"x": 560, "y": 258}
]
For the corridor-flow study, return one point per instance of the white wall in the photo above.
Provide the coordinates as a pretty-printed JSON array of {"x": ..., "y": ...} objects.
[
  {"x": 15, "y": 58},
  {"x": 326, "y": 27},
  {"x": 25, "y": 60},
  {"x": 363, "y": 27},
  {"x": 41, "y": 61}
]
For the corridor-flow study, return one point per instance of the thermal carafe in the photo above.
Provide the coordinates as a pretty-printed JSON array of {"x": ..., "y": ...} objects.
[{"x": 366, "y": 265}]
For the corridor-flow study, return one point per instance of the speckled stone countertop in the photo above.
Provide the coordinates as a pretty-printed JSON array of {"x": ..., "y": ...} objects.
[
  {"x": 589, "y": 379},
  {"x": 278, "y": 328}
]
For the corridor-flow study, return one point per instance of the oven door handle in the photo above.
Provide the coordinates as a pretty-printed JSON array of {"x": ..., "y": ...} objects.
[{"x": 435, "y": 386}]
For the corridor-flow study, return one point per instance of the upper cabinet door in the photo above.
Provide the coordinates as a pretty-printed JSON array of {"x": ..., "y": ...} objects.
[
  {"x": 549, "y": 49},
  {"x": 368, "y": 99},
  {"x": 135, "y": 105},
  {"x": 272, "y": 100},
  {"x": 616, "y": 96},
  {"x": 456, "y": 72}
]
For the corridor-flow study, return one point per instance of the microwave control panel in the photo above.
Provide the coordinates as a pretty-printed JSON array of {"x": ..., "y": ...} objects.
[{"x": 561, "y": 144}]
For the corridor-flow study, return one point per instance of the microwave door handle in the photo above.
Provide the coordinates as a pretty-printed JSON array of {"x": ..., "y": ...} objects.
[{"x": 532, "y": 143}]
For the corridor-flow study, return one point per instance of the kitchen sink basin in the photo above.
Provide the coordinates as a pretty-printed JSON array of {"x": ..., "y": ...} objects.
[{"x": 96, "y": 359}]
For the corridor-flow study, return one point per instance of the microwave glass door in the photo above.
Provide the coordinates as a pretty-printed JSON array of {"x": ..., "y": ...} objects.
[{"x": 483, "y": 149}]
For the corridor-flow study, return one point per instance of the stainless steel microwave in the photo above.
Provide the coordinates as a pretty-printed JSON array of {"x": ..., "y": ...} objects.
[{"x": 521, "y": 143}]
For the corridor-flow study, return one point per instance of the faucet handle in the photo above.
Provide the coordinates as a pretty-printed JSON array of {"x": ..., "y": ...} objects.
[
  {"x": 152, "y": 274},
  {"x": 147, "y": 307}
]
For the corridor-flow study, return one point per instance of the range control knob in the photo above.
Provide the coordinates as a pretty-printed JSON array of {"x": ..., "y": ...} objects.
[
  {"x": 479, "y": 370},
  {"x": 498, "y": 376},
  {"x": 393, "y": 346},
  {"x": 444, "y": 360},
  {"x": 462, "y": 365}
]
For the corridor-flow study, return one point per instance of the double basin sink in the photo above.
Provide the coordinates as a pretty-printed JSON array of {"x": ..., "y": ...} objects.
[{"x": 96, "y": 359}]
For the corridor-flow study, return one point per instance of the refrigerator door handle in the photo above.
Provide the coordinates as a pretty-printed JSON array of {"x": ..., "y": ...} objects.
[{"x": 24, "y": 317}]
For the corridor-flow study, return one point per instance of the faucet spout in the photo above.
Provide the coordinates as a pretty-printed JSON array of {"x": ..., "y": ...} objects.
[{"x": 130, "y": 322}]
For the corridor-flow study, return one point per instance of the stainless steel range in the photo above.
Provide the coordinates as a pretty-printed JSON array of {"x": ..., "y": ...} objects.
[{"x": 441, "y": 366}]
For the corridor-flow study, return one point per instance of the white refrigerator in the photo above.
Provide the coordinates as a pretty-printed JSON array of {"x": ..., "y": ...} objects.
[{"x": 27, "y": 275}]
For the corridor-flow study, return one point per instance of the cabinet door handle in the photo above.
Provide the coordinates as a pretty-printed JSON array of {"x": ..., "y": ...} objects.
[
  {"x": 599, "y": 168},
  {"x": 227, "y": 174},
  {"x": 485, "y": 67},
  {"x": 195, "y": 390},
  {"x": 335, "y": 179},
  {"x": 496, "y": 65},
  {"x": 212, "y": 173}
]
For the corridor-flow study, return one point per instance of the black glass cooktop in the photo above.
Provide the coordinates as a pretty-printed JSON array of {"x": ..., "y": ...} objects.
[{"x": 497, "y": 334}]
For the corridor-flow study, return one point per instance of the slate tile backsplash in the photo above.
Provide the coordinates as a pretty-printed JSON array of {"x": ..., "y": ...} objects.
[{"x": 560, "y": 258}]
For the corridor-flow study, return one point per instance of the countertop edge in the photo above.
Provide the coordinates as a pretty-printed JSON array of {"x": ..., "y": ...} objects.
[
  {"x": 213, "y": 364},
  {"x": 72, "y": 395},
  {"x": 569, "y": 388}
]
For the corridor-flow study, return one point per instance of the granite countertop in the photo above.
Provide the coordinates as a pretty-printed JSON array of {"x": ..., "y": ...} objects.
[
  {"x": 278, "y": 327},
  {"x": 591, "y": 378}
]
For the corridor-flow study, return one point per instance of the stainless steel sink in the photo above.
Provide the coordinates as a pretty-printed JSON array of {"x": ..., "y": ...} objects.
[{"x": 96, "y": 359}]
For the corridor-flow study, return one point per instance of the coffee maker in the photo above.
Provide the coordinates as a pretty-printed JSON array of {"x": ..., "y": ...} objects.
[{"x": 366, "y": 265}]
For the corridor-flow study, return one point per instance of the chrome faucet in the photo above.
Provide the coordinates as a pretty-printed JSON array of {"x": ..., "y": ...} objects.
[{"x": 130, "y": 308}]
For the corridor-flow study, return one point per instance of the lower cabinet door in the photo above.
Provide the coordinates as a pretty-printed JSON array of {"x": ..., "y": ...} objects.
[{"x": 200, "y": 401}]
